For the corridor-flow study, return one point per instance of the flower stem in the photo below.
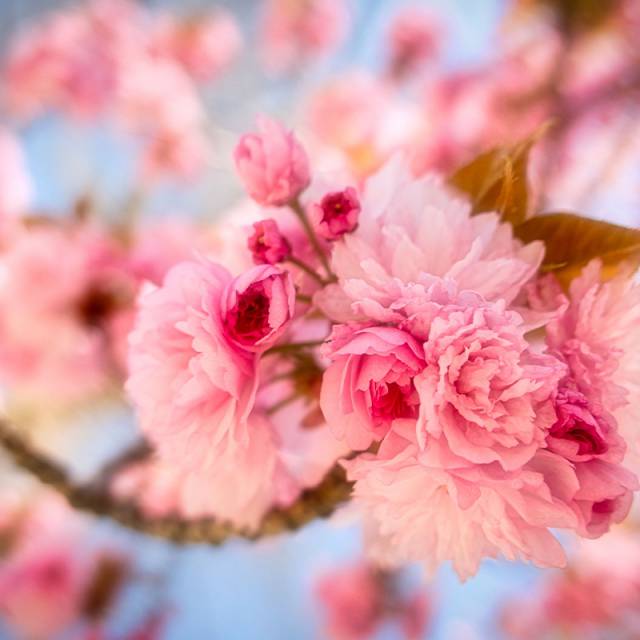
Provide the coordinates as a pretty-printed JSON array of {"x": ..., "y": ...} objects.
[
  {"x": 303, "y": 266},
  {"x": 298, "y": 209}
]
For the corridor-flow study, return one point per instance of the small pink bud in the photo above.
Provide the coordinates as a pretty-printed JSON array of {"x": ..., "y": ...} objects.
[
  {"x": 267, "y": 244},
  {"x": 336, "y": 214},
  {"x": 259, "y": 306},
  {"x": 272, "y": 164}
]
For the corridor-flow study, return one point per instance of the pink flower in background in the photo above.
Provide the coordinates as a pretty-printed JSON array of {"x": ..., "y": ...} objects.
[
  {"x": 347, "y": 111},
  {"x": 258, "y": 306},
  {"x": 358, "y": 599},
  {"x": 267, "y": 244},
  {"x": 596, "y": 597},
  {"x": 414, "y": 38},
  {"x": 272, "y": 164},
  {"x": 41, "y": 590},
  {"x": 408, "y": 228},
  {"x": 293, "y": 32},
  {"x": 336, "y": 214},
  {"x": 204, "y": 45},
  {"x": 353, "y": 600},
  {"x": 431, "y": 506},
  {"x": 66, "y": 282},
  {"x": 63, "y": 63},
  {"x": 179, "y": 343},
  {"x": 15, "y": 182},
  {"x": 369, "y": 383}
]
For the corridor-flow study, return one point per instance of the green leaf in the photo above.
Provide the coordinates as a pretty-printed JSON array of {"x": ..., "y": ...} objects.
[{"x": 572, "y": 241}]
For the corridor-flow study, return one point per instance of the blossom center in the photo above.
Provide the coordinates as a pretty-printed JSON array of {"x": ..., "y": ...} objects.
[
  {"x": 249, "y": 318},
  {"x": 392, "y": 400}
]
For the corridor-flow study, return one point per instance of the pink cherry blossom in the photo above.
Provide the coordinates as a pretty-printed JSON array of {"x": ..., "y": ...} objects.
[
  {"x": 411, "y": 227},
  {"x": 358, "y": 599},
  {"x": 258, "y": 306},
  {"x": 204, "y": 45},
  {"x": 582, "y": 430},
  {"x": 293, "y": 32},
  {"x": 67, "y": 282},
  {"x": 336, "y": 214},
  {"x": 347, "y": 111},
  {"x": 369, "y": 383},
  {"x": 483, "y": 389},
  {"x": 272, "y": 164},
  {"x": 179, "y": 340},
  {"x": 414, "y": 38},
  {"x": 353, "y": 600},
  {"x": 597, "y": 335},
  {"x": 41, "y": 590},
  {"x": 267, "y": 244},
  {"x": 429, "y": 506}
]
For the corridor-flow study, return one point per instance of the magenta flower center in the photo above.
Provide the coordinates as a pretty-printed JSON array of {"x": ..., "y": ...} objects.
[
  {"x": 249, "y": 318},
  {"x": 578, "y": 423},
  {"x": 392, "y": 400}
]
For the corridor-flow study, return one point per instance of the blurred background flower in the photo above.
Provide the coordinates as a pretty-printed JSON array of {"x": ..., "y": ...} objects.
[{"x": 118, "y": 123}]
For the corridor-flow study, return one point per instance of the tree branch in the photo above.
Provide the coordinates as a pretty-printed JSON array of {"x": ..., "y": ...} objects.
[{"x": 319, "y": 502}]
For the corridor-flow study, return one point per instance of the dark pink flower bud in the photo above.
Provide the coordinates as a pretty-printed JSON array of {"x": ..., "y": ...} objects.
[
  {"x": 267, "y": 244},
  {"x": 336, "y": 214},
  {"x": 258, "y": 307}
]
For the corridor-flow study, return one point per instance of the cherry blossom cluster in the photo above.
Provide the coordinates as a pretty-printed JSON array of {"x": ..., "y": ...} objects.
[
  {"x": 474, "y": 403},
  {"x": 358, "y": 599},
  {"x": 114, "y": 59},
  {"x": 55, "y": 580}
]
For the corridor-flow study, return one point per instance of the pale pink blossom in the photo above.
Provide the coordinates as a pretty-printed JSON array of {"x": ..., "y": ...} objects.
[
  {"x": 369, "y": 383},
  {"x": 430, "y": 506},
  {"x": 204, "y": 45},
  {"x": 358, "y": 599},
  {"x": 409, "y": 228},
  {"x": 293, "y": 32},
  {"x": 267, "y": 244},
  {"x": 41, "y": 590},
  {"x": 336, "y": 214},
  {"x": 596, "y": 597},
  {"x": 281, "y": 457},
  {"x": 67, "y": 283},
  {"x": 347, "y": 111},
  {"x": 258, "y": 306},
  {"x": 179, "y": 344},
  {"x": 413, "y": 39},
  {"x": 272, "y": 164},
  {"x": 63, "y": 63},
  {"x": 482, "y": 388},
  {"x": 597, "y": 335},
  {"x": 353, "y": 600}
]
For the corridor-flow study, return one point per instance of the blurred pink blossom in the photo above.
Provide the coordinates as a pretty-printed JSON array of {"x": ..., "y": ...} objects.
[{"x": 297, "y": 30}]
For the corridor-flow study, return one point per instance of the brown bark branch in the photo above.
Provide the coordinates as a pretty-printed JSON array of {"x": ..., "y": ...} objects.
[{"x": 319, "y": 502}]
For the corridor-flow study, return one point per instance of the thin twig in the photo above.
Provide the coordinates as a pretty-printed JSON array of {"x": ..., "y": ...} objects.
[
  {"x": 319, "y": 502},
  {"x": 298, "y": 209}
]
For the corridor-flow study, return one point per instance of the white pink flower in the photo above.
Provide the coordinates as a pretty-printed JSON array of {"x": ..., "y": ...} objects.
[
  {"x": 411, "y": 227},
  {"x": 431, "y": 506}
]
